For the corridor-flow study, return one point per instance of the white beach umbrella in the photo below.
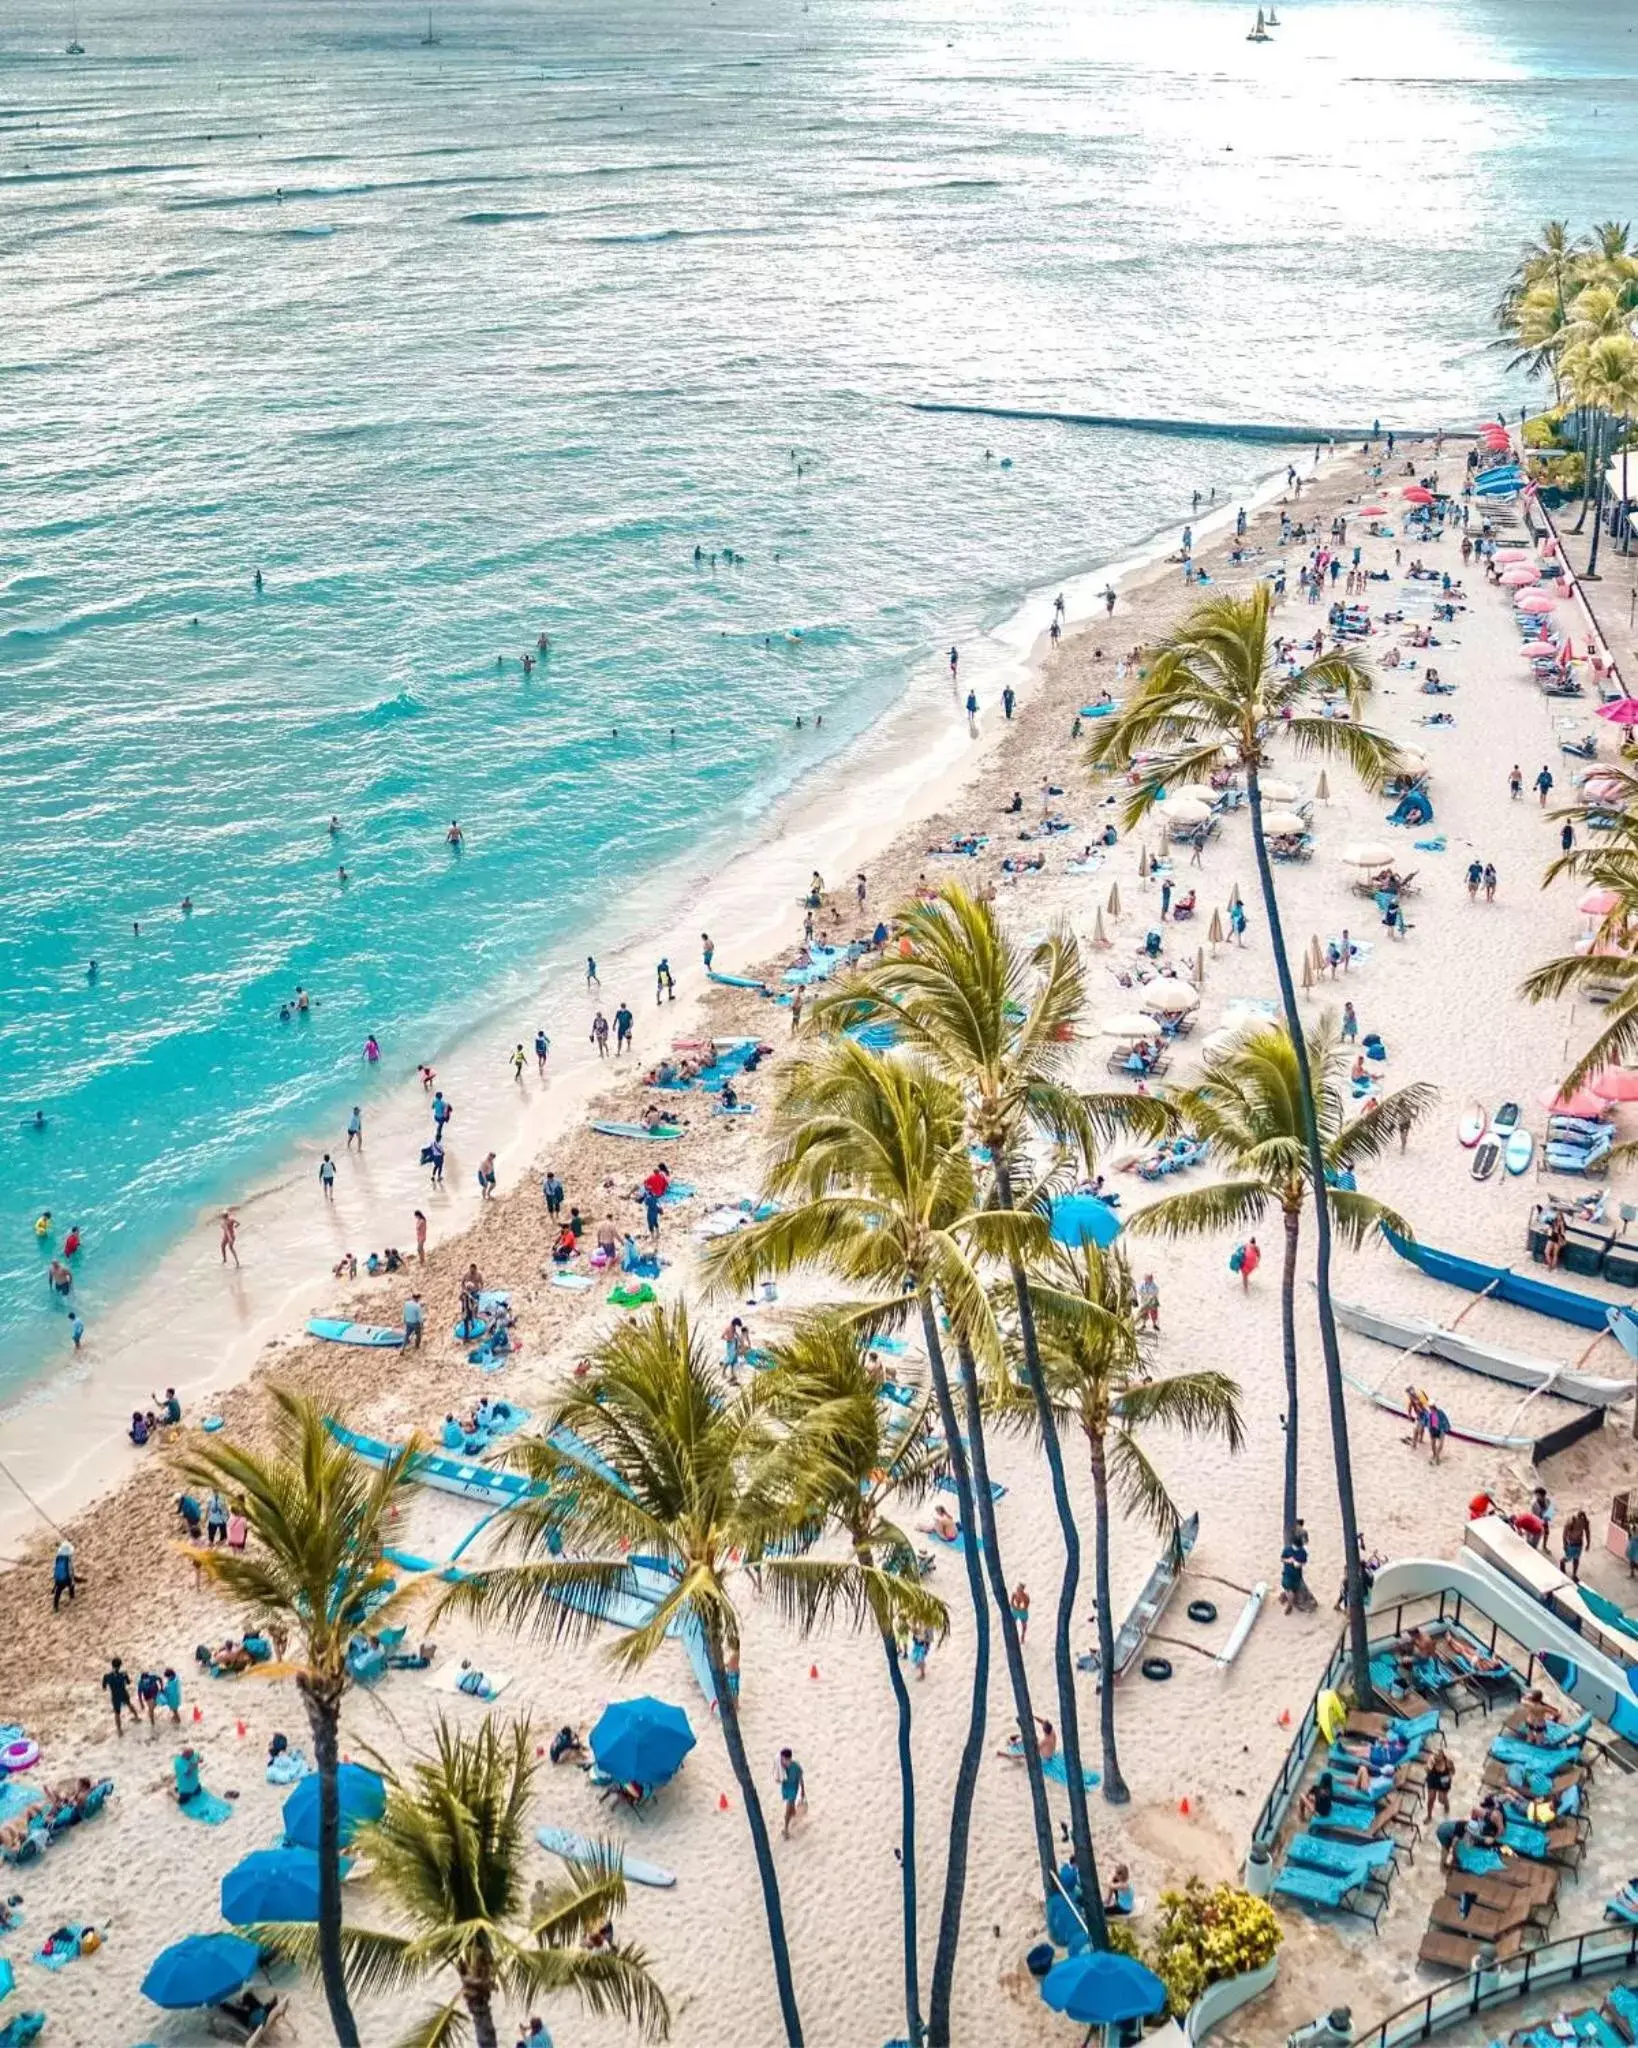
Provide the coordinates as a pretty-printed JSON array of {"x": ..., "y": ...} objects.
[
  {"x": 1191, "y": 792},
  {"x": 1367, "y": 853},
  {"x": 1219, "y": 1041},
  {"x": 1279, "y": 822},
  {"x": 1185, "y": 811},
  {"x": 1278, "y": 792},
  {"x": 1171, "y": 998},
  {"x": 1128, "y": 1024}
]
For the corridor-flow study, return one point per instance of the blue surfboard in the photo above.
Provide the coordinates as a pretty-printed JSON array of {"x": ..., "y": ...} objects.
[{"x": 1618, "y": 1710}]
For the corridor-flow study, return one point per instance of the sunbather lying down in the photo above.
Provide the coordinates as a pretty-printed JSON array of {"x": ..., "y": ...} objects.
[{"x": 473, "y": 1683}]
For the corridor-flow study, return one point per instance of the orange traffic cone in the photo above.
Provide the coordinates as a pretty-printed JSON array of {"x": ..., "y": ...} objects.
[
  {"x": 1285, "y": 1717},
  {"x": 722, "y": 1802},
  {"x": 241, "y": 1730},
  {"x": 813, "y": 1670},
  {"x": 1183, "y": 1808},
  {"x": 198, "y": 1714}
]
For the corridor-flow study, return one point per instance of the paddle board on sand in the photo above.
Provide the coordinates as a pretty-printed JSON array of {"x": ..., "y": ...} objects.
[
  {"x": 560, "y": 1842},
  {"x": 1485, "y": 1159},
  {"x": 1618, "y": 1711},
  {"x": 1472, "y": 1126},
  {"x": 370, "y": 1334},
  {"x": 610, "y": 1129},
  {"x": 1521, "y": 1149},
  {"x": 1505, "y": 1120}
]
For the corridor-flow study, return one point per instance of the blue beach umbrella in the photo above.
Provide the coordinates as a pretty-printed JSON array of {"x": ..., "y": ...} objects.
[
  {"x": 272, "y": 1884},
  {"x": 7, "y": 1977},
  {"x": 1101, "y": 1989},
  {"x": 362, "y": 1794},
  {"x": 203, "y": 1970},
  {"x": 642, "y": 1742},
  {"x": 1083, "y": 1219}
]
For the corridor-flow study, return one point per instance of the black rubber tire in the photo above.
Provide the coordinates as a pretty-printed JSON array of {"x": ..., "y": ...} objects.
[
  {"x": 1157, "y": 1668},
  {"x": 1202, "y": 1611}
]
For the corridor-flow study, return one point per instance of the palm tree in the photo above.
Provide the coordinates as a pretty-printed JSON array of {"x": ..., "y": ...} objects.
[
  {"x": 1000, "y": 1024},
  {"x": 871, "y": 1151},
  {"x": 1248, "y": 1108},
  {"x": 318, "y": 1517},
  {"x": 1597, "y": 313},
  {"x": 1212, "y": 699},
  {"x": 684, "y": 1469},
  {"x": 449, "y": 1856},
  {"x": 857, "y": 1454},
  {"x": 1611, "y": 964},
  {"x": 1096, "y": 1378},
  {"x": 1605, "y": 379},
  {"x": 1533, "y": 312}
]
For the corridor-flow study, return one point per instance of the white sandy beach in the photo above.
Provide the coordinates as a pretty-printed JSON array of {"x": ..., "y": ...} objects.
[{"x": 1445, "y": 1001}]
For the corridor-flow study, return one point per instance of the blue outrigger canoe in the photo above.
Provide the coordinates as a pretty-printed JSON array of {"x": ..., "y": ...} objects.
[
  {"x": 444, "y": 1471},
  {"x": 1501, "y": 1283}
]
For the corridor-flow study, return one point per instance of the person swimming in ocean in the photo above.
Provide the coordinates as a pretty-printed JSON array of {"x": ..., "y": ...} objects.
[
  {"x": 91, "y": 970},
  {"x": 454, "y": 836},
  {"x": 335, "y": 825}
]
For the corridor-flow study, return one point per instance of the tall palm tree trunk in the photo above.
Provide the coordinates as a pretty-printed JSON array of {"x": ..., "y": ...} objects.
[
  {"x": 1288, "y": 1340},
  {"x": 913, "y": 2028},
  {"x": 1023, "y": 1705},
  {"x": 1069, "y": 1719},
  {"x": 479, "y": 1992},
  {"x": 1358, "y": 1640},
  {"x": 972, "y": 1750},
  {"x": 734, "y": 1742},
  {"x": 324, "y": 1718},
  {"x": 1106, "y": 1626},
  {"x": 1598, "y": 519}
]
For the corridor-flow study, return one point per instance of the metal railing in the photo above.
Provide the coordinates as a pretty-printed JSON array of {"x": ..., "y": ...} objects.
[{"x": 1599, "y": 1952}]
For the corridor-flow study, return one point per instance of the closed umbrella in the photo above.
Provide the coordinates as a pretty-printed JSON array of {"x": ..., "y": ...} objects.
[
  {"x": 1099, "y": 936},
  {"x": 272, "y": 1884},
  {"x": 1170, "y": 998},
  {"x": 1234, "y": 894},
  {"x": 1143, "y": 863},
  {"x": 1114, "y": 899},
  {"x": 1199, "y": 964},
  {"x": 1283, "y": 822},
  {"x": 1322, "y": 788},
  {"x": 1083, "y": 1219},
  {"x": 203, "y": 1970},
  {"x": 1615, "y": 1084},
  {"x": 362, "y": 1795},
  {"x": 1128, "y": 1024},
  {"x": 1367, "y": 853},
  {"x": 1102, "y": 1989},
  {"x": 1215, "y": 935},
  {"x": 1307, "y": 972},
  {"x": 1278, "y": 792},
  {"x": 641, "y": 1741}
]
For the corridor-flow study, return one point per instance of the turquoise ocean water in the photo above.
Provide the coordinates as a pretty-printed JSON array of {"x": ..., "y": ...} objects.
[{"x": 464, "y": 343}]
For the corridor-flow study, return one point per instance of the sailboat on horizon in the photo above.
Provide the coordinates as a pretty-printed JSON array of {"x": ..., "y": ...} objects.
[
  {"x": 1260, "y": 33},
  {"x": 75, "y": 47},
  {"x": 429, "y": 41}
]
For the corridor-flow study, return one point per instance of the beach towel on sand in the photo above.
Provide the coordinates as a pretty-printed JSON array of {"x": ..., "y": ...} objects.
[
  {"x": 1054, "y": 1767},
  {"x": 206, "y": 1808},
  {"x": 59, "y": 1957}
]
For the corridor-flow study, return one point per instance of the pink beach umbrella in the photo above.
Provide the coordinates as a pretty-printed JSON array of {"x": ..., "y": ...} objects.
[
  {"x": 1520, "y": 576},
  {"x": 1415, "y": 494},
  {"x": 1507, "y": 555},
  {"x": 1591, "y": 947},
  {"x": 1624, "y": 711},
  {"x": 1582, "y": 1103},
  {"x": 1373, "y": 511},
  {"x": 1599, "y": 902},
  {"x": 1615, "y": 1084},
  {"x": 1535, "y": 601}
]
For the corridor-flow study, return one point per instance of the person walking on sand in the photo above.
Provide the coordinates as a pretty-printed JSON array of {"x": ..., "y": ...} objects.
[
  {"x": 972, "y": 713},
  {"x": 355, "y": 1129},
  {"x": 600, "y": 1035},
  {"x": 1576, "y": 1536},
  {"x": 552, "y": 1189},
  {"x": 435, "y": 1159},
  {"x": 486, "y": 1177},
  {"x": 117, "y": 1685},
  {"x": 1515, "y": 782},
  {"x": 1009, "y": 698},
  {"x": 1489, "y": 882},
  {"x": 327, "y": 1177},
  {"x": 623, "y": 1021},
  {"x": 796, "y": 1011},
  {"x": 62, "y": 1575},
  {"x": 1544, "y": 785},
  {"x": 665, "y": 987},
  {"x": 421, "y": 1236},
  {"x": 1294, "y": 1594},
  {"x": 1018, "y": 1601},
  {"x": 1475, "y": 875},
  {"x": 591, "y": 972},
  {"x": 793, "y": 1788},
  {"x": 414, "y": 1323},
  {"x": 518, "y": 1060},
  {"x": 955, "y": 660},
  {"x": 230, "y": 1236},
  {"x": 1250, "y": 1257},
  {"x": 708, "y": 952},
  {"x": 1148, "y": 1316},
  {"x": 543, "y": 1051}
]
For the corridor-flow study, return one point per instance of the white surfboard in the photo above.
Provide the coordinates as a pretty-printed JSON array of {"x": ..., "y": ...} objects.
[{"x": 560, "y": 1842}]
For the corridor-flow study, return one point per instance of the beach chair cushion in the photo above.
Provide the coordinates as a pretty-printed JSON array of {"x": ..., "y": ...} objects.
[
  {"x": 1315, "y": 1852},
  {"x": 1315, "y": 1887}
]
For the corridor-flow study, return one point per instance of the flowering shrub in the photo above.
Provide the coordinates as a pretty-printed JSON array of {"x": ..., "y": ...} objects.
[{"x": 1205, "y": 1936}]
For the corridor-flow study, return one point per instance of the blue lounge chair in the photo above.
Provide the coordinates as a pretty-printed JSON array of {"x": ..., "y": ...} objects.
[
  {"x": 1362, "y": 1859},
  {"x": 1318, "y": 1890}
]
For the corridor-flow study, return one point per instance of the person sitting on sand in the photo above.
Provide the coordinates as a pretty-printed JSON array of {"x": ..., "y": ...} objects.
[
  {"x": 943, "y": 1525},
  {"x": 139, "y": 1431},
  {"x": 566, "y": 1247},
  {"x": 1046, "y": 1742},
  {"x": 568, "y": 1745},
  {"x": 185, "y": 1767},
  {"x": 1117, "y": 1893},
  {"x": 1553, "y": 1240}
]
